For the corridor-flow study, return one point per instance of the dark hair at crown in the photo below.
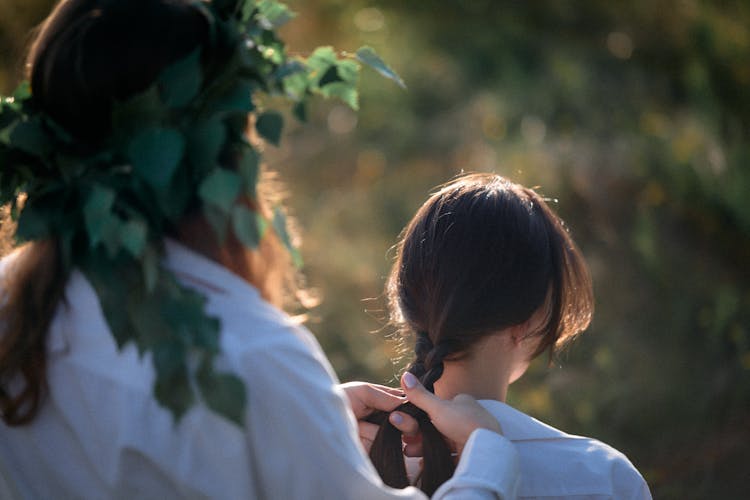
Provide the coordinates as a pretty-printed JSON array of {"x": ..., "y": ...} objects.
[
  {"x": 481, "y": 255},
  {"x": 91, "y": 53}
]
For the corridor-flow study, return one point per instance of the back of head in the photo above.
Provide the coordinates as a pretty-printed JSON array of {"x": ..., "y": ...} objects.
[
  {"x": 481, "y": 255},
  {"x": 90, "y": 54}
]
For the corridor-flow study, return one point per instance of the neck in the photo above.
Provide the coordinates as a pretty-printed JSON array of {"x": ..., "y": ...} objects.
[
  {"x": 458, "y": 378},
  {"x": 484, "y": 373},
  {"x": 198, "y": 235}
]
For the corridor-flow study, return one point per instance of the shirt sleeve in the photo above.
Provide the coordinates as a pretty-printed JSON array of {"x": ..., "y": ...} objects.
[{"x": 304, "y": 442}]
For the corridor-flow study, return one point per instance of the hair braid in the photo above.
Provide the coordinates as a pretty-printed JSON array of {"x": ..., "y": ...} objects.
[
  {"x": 422, "y": 349},
  {"x": 428, "y": 360},
  {"x": 386, "y": 451}
]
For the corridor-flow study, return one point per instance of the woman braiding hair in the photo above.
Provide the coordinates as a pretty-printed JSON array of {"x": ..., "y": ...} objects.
[
  {"x": 487, "y": 278},
  {"x": 143, "y": 351}
]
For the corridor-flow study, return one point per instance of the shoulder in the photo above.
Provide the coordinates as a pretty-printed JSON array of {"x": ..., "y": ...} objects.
[
  {"x": 578, "y": 466},
  {"x": 253, "y": 331},
  {"x": 255, "y": 335},
  {"x": 554, "y": 463}
]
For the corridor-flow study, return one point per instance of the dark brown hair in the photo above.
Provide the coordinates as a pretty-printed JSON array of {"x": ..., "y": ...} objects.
[
  {"x": 89, "y": 54},
  {"x": 481, "y": 255}
]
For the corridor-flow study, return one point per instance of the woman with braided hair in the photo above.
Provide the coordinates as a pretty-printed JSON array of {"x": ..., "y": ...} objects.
[
  {"x": 143, "y": 351},
  {"x": 487, "y": 278}
]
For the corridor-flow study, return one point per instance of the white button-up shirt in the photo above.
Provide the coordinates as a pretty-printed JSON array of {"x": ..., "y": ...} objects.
[
  {"x": 557, "y": 466},
  {"x": 100, "y": 434}
]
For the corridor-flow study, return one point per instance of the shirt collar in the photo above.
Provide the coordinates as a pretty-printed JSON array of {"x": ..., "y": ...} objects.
[
  {"x": 205, "y": 274},
  {"x": 517, "y": 426}
]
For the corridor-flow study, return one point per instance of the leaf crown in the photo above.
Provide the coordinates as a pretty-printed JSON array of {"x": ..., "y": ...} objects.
[{"x": 167, "y": 154}]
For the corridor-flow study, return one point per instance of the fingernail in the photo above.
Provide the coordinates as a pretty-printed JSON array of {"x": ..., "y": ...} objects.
[
  {"x": 410, "y": 380},
  {"x": 396, "y": 418}
]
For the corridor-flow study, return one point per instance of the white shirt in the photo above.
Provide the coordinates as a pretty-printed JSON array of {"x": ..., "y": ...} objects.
[
  {"x": 556, "y": 465},
  {"x": 559, "y": 465},
  {"x": 100, "y": 434}
]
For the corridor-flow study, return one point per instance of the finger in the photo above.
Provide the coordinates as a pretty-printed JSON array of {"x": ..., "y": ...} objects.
[
  {"x": 366, "y": 444},
  {"x": 405, "y": 423},
  {"x": 379, "y": 399},
  {"x": 416, "y": 439},
  {"x": 396, "y": 391},
  {"x": 419, "y": 396},
  {"x": 367, "y": 430}
]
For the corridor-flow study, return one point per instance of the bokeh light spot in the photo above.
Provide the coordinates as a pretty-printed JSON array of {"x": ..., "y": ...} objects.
[
  {"x": 620, "y": 44},
  {"x": 369, "y": 20}
]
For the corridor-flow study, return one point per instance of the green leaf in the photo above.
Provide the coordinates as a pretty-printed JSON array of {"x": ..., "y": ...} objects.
[
  {"x": 100, "y": 200},
  {"x": 248, "y": 226},
  {"x": 297, "y": 85},
  {"x": 29, "y": 136},
  {"x": 32, "y": 224},
  {"x": 205, "y": 333},
  {"x": 145, "y": 310},
  {"x": 344, "y": 91},
  {"x": 113, "y": 282},
  {"x": 273, "y": 14},
  {"x": 368, "y": 56},
  {"x": 142, "y": 110},
  {"x": 291, "y": 68},
  {"x": 111, "y": 234},
  {"x": 23, "y": 91},
  {"x": 249, "y": 169},
  {"x": 133, "y": 236},
  {"x": 97, "y": 213},
  {"x": 186, "y": 312},
  {"x": 174, "y": 393},
  {"x": 218, "y": 219},
  {"x": 320, "y": 60},
  {"x": 239, "y": 98},
  {"x": 247, "y": 7},
  {"x": 150, "y": 268},
  {"x": 5, "y": 134},
  {"x": 269, "y": 126},
  {"x": 220, "y": 189},
  {"x": 180, "y": 82},
  {"x": 300, "y": 111},
  {"x": 280, "y": 227},
  {"x": 205, "y": 142},
  {"x": 155, "y": 154},
  {"x": 169, "y": 358},
  {"x": 348, "y": 71},
  {"x": 224, "y": 393}
]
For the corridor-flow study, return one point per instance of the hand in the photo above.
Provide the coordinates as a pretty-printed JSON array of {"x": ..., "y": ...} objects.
[
  {"x": 364, "y": 398},
  {"x": 456, "y": 419}
]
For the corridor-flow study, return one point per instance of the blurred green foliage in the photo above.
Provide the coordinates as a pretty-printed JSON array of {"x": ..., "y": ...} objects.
[{"x": 634, "y": 116}]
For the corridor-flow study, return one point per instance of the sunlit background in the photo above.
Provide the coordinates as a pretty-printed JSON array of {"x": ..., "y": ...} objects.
[{"x": 633, "y": 116}]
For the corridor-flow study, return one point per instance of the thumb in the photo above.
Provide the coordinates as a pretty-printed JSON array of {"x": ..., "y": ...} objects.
[{"x": 418, "y": 395}]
